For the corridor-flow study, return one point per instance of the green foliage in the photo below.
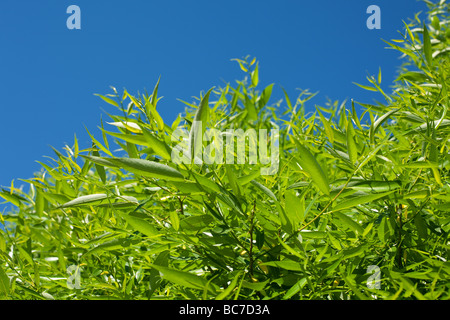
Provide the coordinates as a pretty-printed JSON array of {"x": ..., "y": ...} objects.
[{"x": 351, "y": 192}]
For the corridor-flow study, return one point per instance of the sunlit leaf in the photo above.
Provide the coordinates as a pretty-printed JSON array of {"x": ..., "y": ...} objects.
[
  {"x": 85, "y": 200},
  {"x": 310, "y": 165},
  {"x": 354, "y": 201}
]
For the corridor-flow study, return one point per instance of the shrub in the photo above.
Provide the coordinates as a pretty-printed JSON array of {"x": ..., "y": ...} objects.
[{"x": 357, "y": 207}]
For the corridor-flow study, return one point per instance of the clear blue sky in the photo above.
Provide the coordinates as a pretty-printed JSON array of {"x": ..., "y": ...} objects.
[{"x": 49, "y": 74}]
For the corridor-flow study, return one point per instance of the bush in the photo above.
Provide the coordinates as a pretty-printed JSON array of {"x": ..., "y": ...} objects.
[{"x": 353, "y": 206}]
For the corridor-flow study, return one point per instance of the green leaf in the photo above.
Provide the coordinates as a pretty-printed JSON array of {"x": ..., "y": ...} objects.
[
  {"x": 251, "y": 109},
  {"x": 235, "y": 99},
  {"x": 14, "y": 199},
  {"x": 161, "y": 149},
  {"x": 100, "y": 160},
  {"x": 383, "y": 230},
  {"x": 437, "y": 123},
  {"x": 161, "y": 260},
  {"x": 294, "y": 208},
  {"x": 108, "y": 100},
  {"x": 4, "y": 283},
  {"x": 313, "y": 234},
  {"x": 375, "y": 186},
  {"x": 25, "y": 254},
  {"x": 201, "y": 117},
  {"x": 140, "y": 225},
  {"x": 115, "y": 244},
  {"x": 187, "y": 187},
  {"x": 427, "y": 45},
  {"x": 285, "y": 264},
  {"x": 436, "y": 23},
  {"x": 174, "y": 219},
  {"x": 195, "y": 223},
  {"x": 258, "y": 286},
  {"x": 335, "y": 242},
  {"x": 367, "y": 158},
  {"x": 85, "y": 200},
  {"x": 295, "y": 288},
  {"x": 365, "y": 87},
  {"x": 147, "y": 168},
  {"x": 310, "y": 165},
  {"x": 419, "y": 164},
  {"x": 351, "y": 144},
  {"x": 98, "y": 144},
  {"x": 349, "y": 222},
  {"x": 241, "y": 64},
  {"x": 156, "y": 116},
  {"x": 378, "y": 122},
  {"x": 414, "y": 76},
  {"x": 327, "y": 127},
  {"x": 184, "y": 279},
  {"x": 134, "y": 101},
  {"x": 421, "y": 226},
  {"x": 206, "y": 184},
  {"x": 264, "y": 189},
  {"x": 126, "y": 202},
  {"x": 255, "y": 76},
  {"x": 100, "y": 169},
  {"x": 154, "y": 100},
  {"x": 130, "y": 126},
  {"x": 230, "y": 287},
  {"x": 232, "y": 180},
  {"x": 359, "y": 199},
  {"x": 243, "y": 180},
  {"x": 288, "y": 101},
  {"x": 55, "y": 198},
  {"x": 2, "y": 242},
  {"x": 265, "y": 96},
  {"x": 128, "y": 137}
]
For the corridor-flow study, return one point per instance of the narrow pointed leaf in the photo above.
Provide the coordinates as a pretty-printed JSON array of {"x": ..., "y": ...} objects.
[
  {"x": 349, "y": 222},
  {"x": 100, "y": 160},
  {"x": 85, "y": 200},
  {"x": 140, "y": 225},
  {"x": 255, "y": 76},
  {"x": 265, "y": 96},
  {"x": 147, "y": 168},
  {"x": 161, "y": 149},
  {"x": 108, "y": 100},
  {"x": 427, "y": 45},
  {"x": 131, "y": 126},
  {"x": 375, "y": 186},
  {"x": 360, "y": 199},
  {"x": 201, "y": 117},
  {"x": 184, "y": 279},
  {"x": 310, "y": 165},
  {"x": 378, "y": 122},
  {"x": 264, "y": 189},
  {"x": 351, "y": 144},
  {"x": 4, "y": 283}
]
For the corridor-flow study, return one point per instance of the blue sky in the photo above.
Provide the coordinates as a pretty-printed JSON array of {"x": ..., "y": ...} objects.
[{"x": 49, "y": 74}]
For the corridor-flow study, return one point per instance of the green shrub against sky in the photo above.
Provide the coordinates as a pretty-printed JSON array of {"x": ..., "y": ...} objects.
[{"x": 358, "y": 207}]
